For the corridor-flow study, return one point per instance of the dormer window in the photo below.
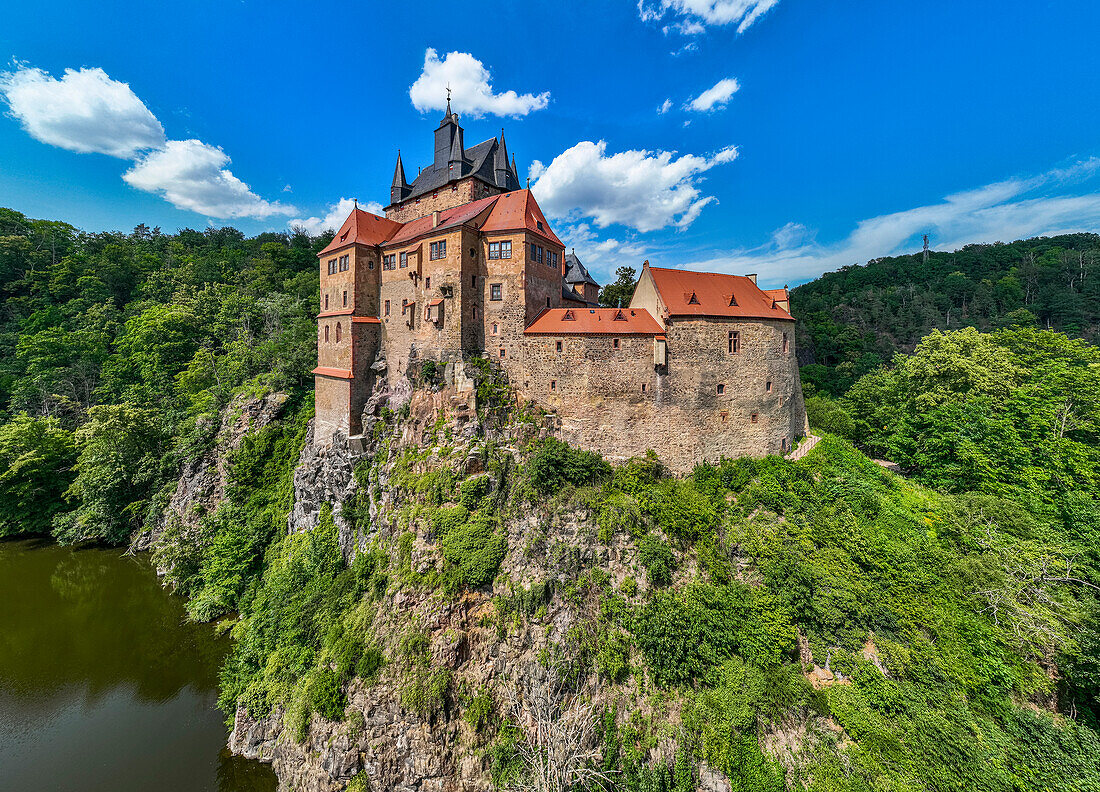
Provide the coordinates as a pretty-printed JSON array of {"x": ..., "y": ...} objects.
[
  {"x": 619, "y": 317},
  {"x": 733, "y": 301},
  {"x": 568, "y": 316},
  {"x": 693, "y": 300},
  {"x": 538, "y": 224}
]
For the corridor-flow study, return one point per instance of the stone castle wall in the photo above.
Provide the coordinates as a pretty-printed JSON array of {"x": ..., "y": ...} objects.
[{"x": 446, "y": 197}]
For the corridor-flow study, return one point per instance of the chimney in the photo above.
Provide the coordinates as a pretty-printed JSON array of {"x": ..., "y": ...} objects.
[
  {"x": 435, "y": 222},
  {"x": 752, "y": 277}
]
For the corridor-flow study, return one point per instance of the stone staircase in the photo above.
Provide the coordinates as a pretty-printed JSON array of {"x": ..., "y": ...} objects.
[{"x": 805, "y": 447}]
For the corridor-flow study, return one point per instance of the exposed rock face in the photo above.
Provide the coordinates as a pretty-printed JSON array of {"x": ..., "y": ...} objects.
[
  {"x": 381, "y": 737},
  {"x": 203, "y": 479}
]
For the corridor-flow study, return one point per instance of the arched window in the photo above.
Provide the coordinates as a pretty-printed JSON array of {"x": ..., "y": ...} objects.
[
  {"x": 337, "y": 332},
  {"x": 326, "y": 334}
]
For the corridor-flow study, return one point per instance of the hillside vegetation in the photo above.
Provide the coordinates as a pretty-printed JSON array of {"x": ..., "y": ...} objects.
[
  {"x": 822, "y": 624},
  {"x": 854, "y": 320}
]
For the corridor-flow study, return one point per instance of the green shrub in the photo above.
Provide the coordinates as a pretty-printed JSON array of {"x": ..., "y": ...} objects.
[
  {"x": 424, "y": 691},
  {"x": 472, "y": 490},
  {"x": 474, "y": 550},
  {"x": 555, "y": 464},
  {"x": 325, "y": 694},
  {"x": 479, "y": 710},
  {"x": 656, "y": 556}
]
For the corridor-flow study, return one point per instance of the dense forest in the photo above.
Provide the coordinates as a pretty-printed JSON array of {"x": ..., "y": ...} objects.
[
  {"x": 855, "y": 319},
  {"x": 821, "y": 623}
]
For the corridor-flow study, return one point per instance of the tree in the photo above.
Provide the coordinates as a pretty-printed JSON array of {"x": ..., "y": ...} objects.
[
  {"x": 36, "y": 459},
  {"x": 621, "y": 291}
]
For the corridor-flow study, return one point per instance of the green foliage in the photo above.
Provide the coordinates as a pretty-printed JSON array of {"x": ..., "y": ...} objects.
[
  {"x": 121, "y": 453},
  {"x": 619, "y": 292},
  {"x": 478, "y": 712},
  {"x": 555, "y": 464},
  {"x": 36, "y": 460},
  {"x": 857, "y": 318},
  {"x": 474, "y": 550},
  {"x": 656, "y": 556}
]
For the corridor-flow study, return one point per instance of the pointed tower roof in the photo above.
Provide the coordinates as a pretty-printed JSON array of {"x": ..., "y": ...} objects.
[
  {"x": 362, "y": 228},
  {"x": 399, "y": 174}
]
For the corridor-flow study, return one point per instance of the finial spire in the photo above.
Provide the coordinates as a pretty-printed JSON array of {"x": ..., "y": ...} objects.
[
  {"x": 448, "y": 98},
  {"x": 356, "y": 202}
]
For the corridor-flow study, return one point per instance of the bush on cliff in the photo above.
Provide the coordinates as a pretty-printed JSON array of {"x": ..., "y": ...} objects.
[{"x": 36, "y": 460}]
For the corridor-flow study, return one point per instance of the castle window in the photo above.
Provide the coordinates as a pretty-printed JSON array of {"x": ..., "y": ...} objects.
[
  {"x": 553, "y": 384},
  {"x": 332, "y": 267},
  {"x": 615, "y": 343},
  {"x": 387, "y": 261},
  {"x": 345, "y": 299},
  {"x": 387, "y": 308},
  {"x": 768, "y": 386},
  {"x": 438, "y": 250},
  {"x": 502, "y": 351},
  {"x": 337, "y": 332},
  {"x": 344, "y": 263},
  {"x": 786, "y": 344},
  {"x": 496, "y": 328},
  {"x": 454, "y": 187},
  {"x": 547, "y": 302},
  {"x": 326, "y": 302},
  {"x": 538, "y": 224},
  {"x": 473, "y": 252},
  {"x": 404, "y": 260},
  {"x": 370, "y": 264},
  {"x": 506, "y": 249},
  {"x": 724, "y": 416},
  {"x": 473, "y": 281},
  {"x": 326, "y": 334},
  {"x": 553, "y": 258},
  {"x": 721, "y": 388},
  {"x": 428, "y": 282},
  {"x": 734, "y": 342},
  {"x": 494, "y": 250},
  {"x": 557, "y": 346},
  {"x": 784, "y": 445},
  {"x": 643, "y": 387},
  {"x": 495, "y": 292},
  {"x": 755, "y": 417}
]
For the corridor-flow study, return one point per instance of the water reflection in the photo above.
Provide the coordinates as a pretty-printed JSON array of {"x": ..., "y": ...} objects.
[{"x": 103, "y": 683}]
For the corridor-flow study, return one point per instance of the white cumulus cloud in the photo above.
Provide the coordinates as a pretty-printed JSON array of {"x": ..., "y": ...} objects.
[
  {"x": 1000, "y": 212},
  {"x": 334, "y": 218},
  {"x": 666, "y": 105},
  {"x": 637, "y": 189},
  {"x": 695, "y": 13},
  {"x": 471, "y": 90},
  {"x": 88, "y": 112},
  {"x": 716, "y": 97},
  {"x": 84, "y": 111},
  {"x": 190, "y": 174}
]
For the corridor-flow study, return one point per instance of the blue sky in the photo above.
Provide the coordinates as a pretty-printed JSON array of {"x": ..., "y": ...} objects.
[{"x": 783, "y": 137}]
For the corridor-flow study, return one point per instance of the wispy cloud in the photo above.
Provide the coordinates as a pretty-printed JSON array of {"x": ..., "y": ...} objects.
[
  {"x": 88, "y": 112},
  {"x": 999, "y": 212},
  {"x": 638, "y": 189},
  {"x": 692, "y": 15},
  {"x": 714, "y": 98},
  {"x": 666, "y": 105},
  {"x": 471, "y": 88}
]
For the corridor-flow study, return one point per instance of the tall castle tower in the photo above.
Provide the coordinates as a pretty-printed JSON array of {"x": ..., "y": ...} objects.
[{"x": 457, "y": 175}]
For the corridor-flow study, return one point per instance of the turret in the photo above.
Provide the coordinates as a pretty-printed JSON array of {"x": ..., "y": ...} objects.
[
  {"x": 500, "y": 164},
  {"x": 445, "y": 136},
  {"x": 400, "y": 188},
  {"x": 457, "y": 159}
]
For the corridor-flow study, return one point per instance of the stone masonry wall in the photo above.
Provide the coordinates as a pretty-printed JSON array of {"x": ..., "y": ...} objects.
[{"x": 446, "y": 197}]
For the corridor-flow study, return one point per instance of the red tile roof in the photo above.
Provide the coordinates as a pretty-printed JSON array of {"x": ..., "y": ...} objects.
[
  {"x": 326, "y": 371},
  {"x": 362, "y": 228},
  {"x": 519, "y": 209},
  {"x": 594, "y": 321},
  {"x": 712, "y": 294},
  {"x": 778, "y": 294},
  {"x": 448, "y": 218}
]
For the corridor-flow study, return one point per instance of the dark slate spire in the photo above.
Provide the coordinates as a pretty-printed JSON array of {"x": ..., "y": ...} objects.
[
  {"x": 400, "y": 188},
  {"x": 500, "y": 164},
  {"x": 445, "y": 136},
  {"x": 457, "y": 158},
  {"x": 515, "y": 173}
]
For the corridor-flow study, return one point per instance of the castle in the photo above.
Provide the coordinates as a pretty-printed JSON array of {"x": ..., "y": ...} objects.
[{"x": 698, "y": 366}]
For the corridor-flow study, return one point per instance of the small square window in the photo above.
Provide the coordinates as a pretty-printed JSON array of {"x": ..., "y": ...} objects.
[
  {"x": 495, "y": 292},
  {"x": 721, "y": 388},
  {"x": 557, "y": 346},
  {"x": 370, "y": 264},
  {"x": 643, "y": 387},
  {"x": 553, "y": 384},
  {"x": 615, "y": 343},
  {"x": 502, "y": 352},
  {"x": 755, "y": 417},
  {"x": 725, "y": 416}
]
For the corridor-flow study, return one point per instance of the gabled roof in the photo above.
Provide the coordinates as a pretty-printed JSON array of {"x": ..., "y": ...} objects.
[
  {"x": 713, "y": 294},
  {"x": 519, "y": 209},
  {"x": 778, "y": 294},
  {"x": 594, "y": 321},
  {"x": 569, "y": 295},
  {"x": 448, "y": 218},
  {"x": 575, "y": 272},
  {"x": 478, "y": 161},
  {"x": 362, "y": 228}
]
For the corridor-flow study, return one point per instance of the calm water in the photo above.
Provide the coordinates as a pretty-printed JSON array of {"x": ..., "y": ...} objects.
[{"x": 104, "y": 686}]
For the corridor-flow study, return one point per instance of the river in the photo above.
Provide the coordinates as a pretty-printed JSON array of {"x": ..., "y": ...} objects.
[{"x": 104, "y": 685}]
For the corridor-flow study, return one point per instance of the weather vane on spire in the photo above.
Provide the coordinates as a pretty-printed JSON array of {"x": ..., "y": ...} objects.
[{"x": 448, "y": 98}]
